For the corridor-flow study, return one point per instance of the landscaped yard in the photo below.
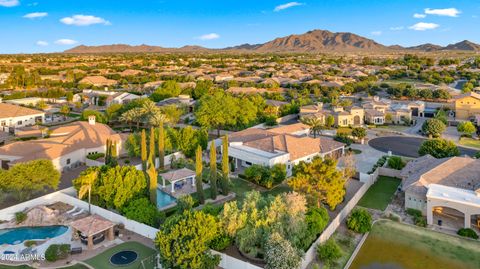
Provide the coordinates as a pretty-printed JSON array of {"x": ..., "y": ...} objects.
[
  {"x": 392, "y": 127},
  {"x": 470, "y": 142},
  {"x": 395, "y": 245},
  {"x": 380, "y": 194},
  {"x": 102, "y": 260}
]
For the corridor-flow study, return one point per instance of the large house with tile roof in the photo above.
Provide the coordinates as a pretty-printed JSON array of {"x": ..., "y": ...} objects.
[
  {"x": 443, "y": 188},
  {"x": 14, "y": 116},
  {"x": 287, "y": 145},
  {"x": 67, "y": 145}
]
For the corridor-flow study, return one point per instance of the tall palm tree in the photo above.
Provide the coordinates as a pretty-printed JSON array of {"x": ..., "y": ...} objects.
[
  {"x": 149, "y": 109},
  {"x": 158, "y": 119},
  {"x": 88, "y": 181},
  {"x": 315, "y": 124}
]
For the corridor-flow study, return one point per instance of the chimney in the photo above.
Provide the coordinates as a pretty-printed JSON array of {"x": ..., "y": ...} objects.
[
  {"x": 106, "y": 89},
  {"x": 91, "y": 119}
]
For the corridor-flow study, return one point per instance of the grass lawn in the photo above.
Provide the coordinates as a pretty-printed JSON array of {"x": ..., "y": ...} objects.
[
  {"x": 397, "y": 128},
  {"x": 102, "y": 260},
  {"x": 344, "y": 130},
  {"x": 396, "y": 245},
  {"x": 380, "y": 194},
  {"x": 470, "y": 142},
  {"x": 76, "y": 266}
]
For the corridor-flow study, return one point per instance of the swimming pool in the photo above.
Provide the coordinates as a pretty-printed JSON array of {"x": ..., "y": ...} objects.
[
  {"x": 164, "y": 199},
  {"x": 16, "y": 236}
]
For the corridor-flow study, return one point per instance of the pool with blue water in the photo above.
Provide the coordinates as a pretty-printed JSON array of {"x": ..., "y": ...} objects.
[
  {"x": 14, "y": 236},
  {"x": 164, "y": 199}
]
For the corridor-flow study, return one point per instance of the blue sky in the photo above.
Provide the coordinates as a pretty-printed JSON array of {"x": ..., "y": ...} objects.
[{"x": 28, "y": 26}]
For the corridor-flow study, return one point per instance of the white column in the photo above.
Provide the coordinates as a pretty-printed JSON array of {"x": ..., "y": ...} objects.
[
  {"x": 163, "y": 180},
  {"x": 467, "y": 220},
  {"x": 173, "y": 186},
  {"x": 429, "y": 214},
  {"x": 193, "y": 181}
]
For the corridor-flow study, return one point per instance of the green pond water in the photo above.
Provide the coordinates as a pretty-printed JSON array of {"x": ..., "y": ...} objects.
[{"x": 392, "y": 245}]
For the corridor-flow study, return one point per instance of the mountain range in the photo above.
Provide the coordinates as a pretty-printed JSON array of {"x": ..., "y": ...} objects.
[{"x": 311, "y": 41}]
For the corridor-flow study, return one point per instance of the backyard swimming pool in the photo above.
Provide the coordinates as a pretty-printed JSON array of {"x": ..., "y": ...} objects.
[
  {"x": 164, "y": 199},
  {"x": 16, "y": 236}
]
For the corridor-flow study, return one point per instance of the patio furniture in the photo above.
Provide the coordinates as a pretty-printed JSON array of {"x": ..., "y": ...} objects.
[
  {"x": 78, "y": 213},
  {"x": 77, "y": 250},
  {"x": 72, "y": 210},
  {"x": 93, "y": 229}
]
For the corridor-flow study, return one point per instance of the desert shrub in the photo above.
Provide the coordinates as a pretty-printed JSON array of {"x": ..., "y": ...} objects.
[
  {"x": 329, "y": 252},
  {"x": 359, "y": 221},
  {"x": 57, "y": 252},
  {"x": 20, "y": 217},
  {"x": 396, "y": 162},
  {"x": 467, "y": 232}
]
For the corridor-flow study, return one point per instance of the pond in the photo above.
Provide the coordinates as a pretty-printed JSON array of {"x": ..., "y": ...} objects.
[{"x": 393, "y": 245}]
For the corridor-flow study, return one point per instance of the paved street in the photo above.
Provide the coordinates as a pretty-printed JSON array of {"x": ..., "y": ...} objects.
[{"x": 406, "y": 146}]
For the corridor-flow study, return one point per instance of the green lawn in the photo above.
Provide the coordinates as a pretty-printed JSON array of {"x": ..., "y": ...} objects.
[
  {"x": 406, "y": 246},
  {"x": 380, "y": 194},
  {"x": 392, "y": 127},
  {"x": 470, "y": 142},
  {"x": 102, "y": 260}
]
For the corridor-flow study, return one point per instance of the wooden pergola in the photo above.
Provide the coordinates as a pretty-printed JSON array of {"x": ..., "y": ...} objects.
[
  {"x": 91, "y": 226},
  {"x": 175, "y": 176}
]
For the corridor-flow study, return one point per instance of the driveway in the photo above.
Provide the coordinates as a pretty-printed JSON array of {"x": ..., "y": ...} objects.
[{"x": 406, "y": 146}]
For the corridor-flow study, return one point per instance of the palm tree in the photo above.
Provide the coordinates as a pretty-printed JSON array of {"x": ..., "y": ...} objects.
[
  {"x": 88, "y": 180},
  {"x": 315, "y": 124},
  {"x": 132, "y": 115},
  {"x": 149, "y": 109},
  {"x": 158, "y": 119}
]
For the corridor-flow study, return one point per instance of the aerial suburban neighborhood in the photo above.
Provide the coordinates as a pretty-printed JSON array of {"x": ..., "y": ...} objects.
[{"x": 303, "y": 149}]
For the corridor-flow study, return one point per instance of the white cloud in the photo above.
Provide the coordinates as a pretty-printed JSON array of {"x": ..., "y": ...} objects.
[
  {"x": 287, "y": 5},
  {"x": 84, "y": 20},
  {"x": 449, "y": 12},
  {"x": 419, "y": 16},
  {"x": 210, "y": 36},
  {"x": 376, "y": 33},
  {"x": 66, "y": 42},
  {"x": 397, "y": 28},
  {"x": 35, "y": 15},
  {"x": 422, "y": 26},
  {"x": 42, "y": 43},
  {"x": 9, "y": 3}
]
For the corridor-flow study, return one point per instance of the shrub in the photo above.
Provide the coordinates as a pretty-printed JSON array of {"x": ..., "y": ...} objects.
[
  {"x": 329, "y": 252},
  {"x": 439, "y": 148},
  {"x": 95, "y": 156},
  {"x": 142, "y": 210},
  {"x": 265, "y": 176},
  {"x": 477, "y": 155},
  {"x": 433, "y": 127},
  {"x": 359, "y": 221},
  {"x": 29, "y": 243},
  {"x": 392, "y": 216},
  {"x": 212, "y": 209},
  {"x": 344, "y": 139},
  {"x": 20, "y": 217},
  {"x": 418, "y": 218},
  {"x": 396, "y": 163},
  {"x": 467, "y": 232},
  {"x": 221, "y": 242},
  {"x": 317, "y": 219},
  {"x": 57, "y": 252}
]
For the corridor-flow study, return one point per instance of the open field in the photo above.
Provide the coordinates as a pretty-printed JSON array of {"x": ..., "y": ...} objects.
[
  {"x": 380, "y": 194},
  {"x": 395, "y": 245}
]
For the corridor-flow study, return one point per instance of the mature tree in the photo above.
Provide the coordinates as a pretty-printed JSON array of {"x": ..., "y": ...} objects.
[
  {"x": 133, "y": 115},
  {"x": 225, "y": 182},
  {"x": 41, "y": 105},
  {"x": 161, "y": 146},
  {"x": 217, "y": 111},
  {"x": 359, "y": 221},
  {"x": 24, "y": 179},
  {"x": 172, "y": 113},
  {"x": 439, "y": 148},
  {"x": 99, "y": 116},
  {"x": 69, "y": 96},
  {"x": 315, "y": 124},
  {"x": 466, "y": 128},
  {"x": 142, "y": 210},
  {"x": 320, "y": 181},
  {"x": 280, "y": 254},
  {"x": 441, "y": 115},
  {"x": 213, "y": 170},
  {"x": 198, "y": 176},
  {"x": 87, "y": 182},
  {"x": 169, "y": 88},
  {"x": 183, "y": 240},
  {"x": 359, "y": 132},
  {"x": 65, "y": 110},
  {"x": 112, "y": 112},
  {"x": 433, "y": 127},
  {"x": 329, "y": 121},
  {"x": 143, "y": 149}
]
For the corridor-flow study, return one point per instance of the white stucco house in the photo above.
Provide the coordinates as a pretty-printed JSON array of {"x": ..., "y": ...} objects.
[
  {"x": 287, "y": 145},
  {"x": 67, "y": 146},
  {"x": 14, "y": 116},
  {"x": 446, "y": 189}
]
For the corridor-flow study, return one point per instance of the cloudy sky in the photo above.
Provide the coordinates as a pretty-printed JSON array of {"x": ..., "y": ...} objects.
[{"x": 28, "y": 26}]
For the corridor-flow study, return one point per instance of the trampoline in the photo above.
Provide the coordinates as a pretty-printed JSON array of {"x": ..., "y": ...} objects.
[{"x": 124, "y": 258}]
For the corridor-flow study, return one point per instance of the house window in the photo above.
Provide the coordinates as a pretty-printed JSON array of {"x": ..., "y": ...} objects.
[
  {"x": 19, "y": 122},
  {"x": 4, "y": 123},
  {"x": 248, "y": 163},
  {"x": 68, "y": 161}
]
